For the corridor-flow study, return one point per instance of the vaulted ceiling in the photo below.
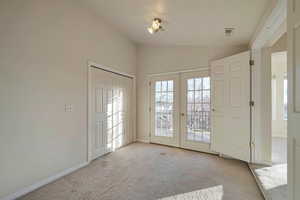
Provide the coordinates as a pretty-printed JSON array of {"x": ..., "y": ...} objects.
[{"x": 187, "y": 22}]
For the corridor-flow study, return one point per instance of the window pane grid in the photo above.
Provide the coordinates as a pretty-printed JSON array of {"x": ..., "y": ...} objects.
[
  {"x": 164, "y": 94},
  {"x": 198, "y": 109}
]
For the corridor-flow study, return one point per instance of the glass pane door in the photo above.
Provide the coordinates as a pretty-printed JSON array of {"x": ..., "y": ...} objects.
[
  {"x": 165, "y": 110},
  {"x": 195, "y": 111},
  {"x": 164, "y": 95},
  {"x": 198, "y": 109}
]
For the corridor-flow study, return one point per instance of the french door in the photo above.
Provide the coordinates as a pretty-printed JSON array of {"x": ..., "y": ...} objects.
[
  {"x": 165, "y": 110},
  {"x": 195, "y": 111},
  {"x": 205, "y": 111},
  {"x": 180, "y": 110}
]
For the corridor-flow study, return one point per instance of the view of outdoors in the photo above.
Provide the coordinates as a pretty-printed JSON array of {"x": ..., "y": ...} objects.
[
  {"x": 164, "y": 94},
  {"x": 198, "y": 109}
]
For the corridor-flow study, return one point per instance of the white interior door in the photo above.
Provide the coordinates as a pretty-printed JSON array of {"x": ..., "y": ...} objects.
[
  {"x": 294, "y": 99},
  {"x": 195, "y": 111},
  {"x": 230, "y": 106},
  {"x": 165, "y": 110},
  {"x": 111, "y": 121},
  {"x": 121, "y": 114},
  {"x": 101, "y": 111}
]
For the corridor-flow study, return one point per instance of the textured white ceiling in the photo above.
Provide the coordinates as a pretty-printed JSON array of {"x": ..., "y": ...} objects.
[{"x": 187, "y": 22}]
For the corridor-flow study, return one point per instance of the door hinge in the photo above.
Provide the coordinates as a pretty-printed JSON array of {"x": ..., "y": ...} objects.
[
  {"x": 150, "y": 83},
  {"x": 252, "y": 144},
  {"x": 251, "y": 103},
  {"x": 149, "y": 109},
  {"x": 251, "y": 62}
]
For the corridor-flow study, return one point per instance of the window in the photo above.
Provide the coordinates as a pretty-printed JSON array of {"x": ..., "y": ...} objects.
[
  {"x": 164, "y": 94},
  {"x": 198, "y": 109}
]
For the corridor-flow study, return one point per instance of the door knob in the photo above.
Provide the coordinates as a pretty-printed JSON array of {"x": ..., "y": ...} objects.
[
  {"x": 182, "y": 114},
  {"x": 213, "y": 110}
]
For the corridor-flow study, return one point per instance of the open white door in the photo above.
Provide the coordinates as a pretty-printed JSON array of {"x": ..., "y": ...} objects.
[
  {"x": 230, "y": 79},
  {"x": 294, "y": 99}
]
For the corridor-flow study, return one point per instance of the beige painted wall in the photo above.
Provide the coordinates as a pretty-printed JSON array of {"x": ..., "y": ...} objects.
[
  {"x": 44, "y": 48},
  {"x": 281, "y": 44},
  {"x": 279, "y": 70},
  {"x": 152, "y": 59}
]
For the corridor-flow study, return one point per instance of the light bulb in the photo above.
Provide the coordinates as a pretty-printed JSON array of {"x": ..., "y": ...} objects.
[{"x": 156, "y": 25}]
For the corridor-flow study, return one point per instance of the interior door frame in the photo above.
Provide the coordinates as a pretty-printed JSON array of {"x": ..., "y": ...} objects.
[
  {"x": 91, "y": 65},
  {"x": 271, "y": 28}
]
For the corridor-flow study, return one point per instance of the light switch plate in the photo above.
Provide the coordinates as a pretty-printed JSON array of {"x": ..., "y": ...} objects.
[{"x": 68, "y": 107}]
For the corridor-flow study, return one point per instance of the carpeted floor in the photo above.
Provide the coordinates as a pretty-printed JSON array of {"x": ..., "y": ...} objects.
[
  {"x": 273, "y": 179},
  {"x": 149, "y": 172}
]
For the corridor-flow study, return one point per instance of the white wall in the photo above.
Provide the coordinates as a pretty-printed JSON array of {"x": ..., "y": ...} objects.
[
  {"x": 279, "y": 70},
  {"x": 44, "y": 48},
  {"x": 153, "y": 59}
]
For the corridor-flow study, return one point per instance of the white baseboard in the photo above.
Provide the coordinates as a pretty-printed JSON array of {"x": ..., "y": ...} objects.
[
  {"x": 143, "y": 140},
  {"x": 41, "y": 183}
]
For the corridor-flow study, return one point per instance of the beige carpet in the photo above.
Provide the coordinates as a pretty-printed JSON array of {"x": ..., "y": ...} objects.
[
  {"x": 273, "y": 179},
  {"x": 149, "y": 172}
]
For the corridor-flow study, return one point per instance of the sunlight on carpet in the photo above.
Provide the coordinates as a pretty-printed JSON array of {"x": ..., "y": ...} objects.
[
  {"x": 212, "y": 193},
  {"x": 273, "y": 177}
]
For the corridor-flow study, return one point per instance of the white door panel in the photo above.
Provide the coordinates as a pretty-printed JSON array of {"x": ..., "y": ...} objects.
[
  {"x": 293, "y": 99},
  {"x": 218, "y": 105},
  {"x": 101, "y": 87},
  {"x": 111, "y": 123},
  {"x": 230, "y": 105}
]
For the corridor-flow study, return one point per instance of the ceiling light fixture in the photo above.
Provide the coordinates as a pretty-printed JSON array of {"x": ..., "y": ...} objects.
[{"x": 155, "y": 26}]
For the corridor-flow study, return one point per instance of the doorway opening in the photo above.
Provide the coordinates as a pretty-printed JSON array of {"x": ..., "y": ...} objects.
[
  {"x": 278, "y": 171},
  {"x": 279, "y": 107}
]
